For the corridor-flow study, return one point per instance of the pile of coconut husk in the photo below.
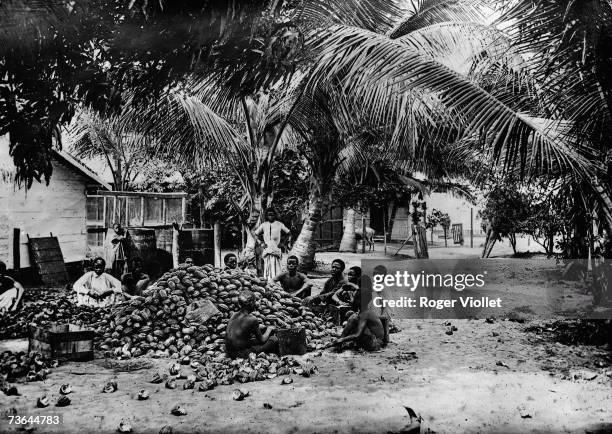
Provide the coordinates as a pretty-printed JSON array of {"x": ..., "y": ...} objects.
[
  {"x": 207, "y": 374},
  {"x": 45, "y": 306},
  {"x": 163, "y": 322},
  {"x": 17, "y": 365}
]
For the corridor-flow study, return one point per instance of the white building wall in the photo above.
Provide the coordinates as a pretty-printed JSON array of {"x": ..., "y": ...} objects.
[{"x": 58, "y": 208}]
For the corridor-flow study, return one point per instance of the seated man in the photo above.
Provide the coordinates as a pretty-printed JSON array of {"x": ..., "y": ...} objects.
[
  {"x": 243, "y": 335},
  {"x": 231, "y": 261},
  {"x": 10, "y": 291},
  {"x": 383, "y": 312},
  {"x": 135, "y": 281},
  {"x": 331, "y": 287},
  {"x": 346, "y": 293},
  {"x": 364, "y": 328},
  {"x": 97, "y": 288},
  {"x": 292, "y": 281}
]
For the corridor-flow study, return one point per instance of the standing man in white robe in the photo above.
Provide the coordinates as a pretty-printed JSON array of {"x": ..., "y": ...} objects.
[{"x": 271, "y": 232}]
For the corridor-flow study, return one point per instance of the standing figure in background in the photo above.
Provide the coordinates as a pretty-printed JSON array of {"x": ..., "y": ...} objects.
[
  {"x": 115, "y": 250},
  {"x": 10, "y": 291},
  {"x": 271, "y": 232}
]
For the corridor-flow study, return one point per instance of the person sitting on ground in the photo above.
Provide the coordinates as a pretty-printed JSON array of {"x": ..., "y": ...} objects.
[
  {"x": 136, "y": 281},
  {"x": 292, "y": 281},
  {"x": 188, "y": 262},
  {"x": 346, "y": 293},
  {"x": 243, "y": 335},
  {"x": 231, "y": 261},
  {"x": 364, "y": 328},
  {"x": 97, "y": 288},
  {"x": 383, "y": 312},
  {"x": 10, "y": 291},
  {"x": 331, "y": 286}
]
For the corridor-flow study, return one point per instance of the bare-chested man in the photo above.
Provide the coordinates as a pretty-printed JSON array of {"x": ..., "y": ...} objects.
[
  {"x": 363, "y": 328},
  {"x": 292, "y": 281},
  {"x": 243, "y": 335}
]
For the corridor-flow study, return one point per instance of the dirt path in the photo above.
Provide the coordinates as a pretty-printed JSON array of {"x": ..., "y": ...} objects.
[{"x": 455, "y": 382}]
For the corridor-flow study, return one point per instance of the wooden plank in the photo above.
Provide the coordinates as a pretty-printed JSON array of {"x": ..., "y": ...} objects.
[
  {"x": 48, "y": 260},
  {"x": 44, "y": 243}
]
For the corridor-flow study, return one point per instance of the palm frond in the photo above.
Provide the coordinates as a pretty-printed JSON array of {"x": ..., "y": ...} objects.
[
  {"x": 186, "y": 127},
  {"x": 376, "y": 69},
  {"x": 375, "y": 15},
  {"x": 425, "y": 13}
]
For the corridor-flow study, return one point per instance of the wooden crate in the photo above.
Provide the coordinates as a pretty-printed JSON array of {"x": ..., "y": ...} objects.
[
  {"x": 292, "y": 341},
  {"x": 62, "y": 342}
]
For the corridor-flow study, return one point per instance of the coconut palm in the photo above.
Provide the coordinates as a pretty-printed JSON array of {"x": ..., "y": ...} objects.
[
  {"x": 126, "y": 154},
  {"x": 431, "y": 81},
  {"x": 569, "y": 45},
  {"x": 411, "y": 91}
]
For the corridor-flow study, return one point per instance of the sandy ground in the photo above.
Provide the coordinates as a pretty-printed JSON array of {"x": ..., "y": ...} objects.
[{"x": 486, "y": 377}]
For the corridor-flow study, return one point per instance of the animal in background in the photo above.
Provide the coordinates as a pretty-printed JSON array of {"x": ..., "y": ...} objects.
[{"x": 369, "y": 237}]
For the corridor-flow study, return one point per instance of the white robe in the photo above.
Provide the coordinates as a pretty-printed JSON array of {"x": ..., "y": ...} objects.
[{"x": 272, "y": 254}]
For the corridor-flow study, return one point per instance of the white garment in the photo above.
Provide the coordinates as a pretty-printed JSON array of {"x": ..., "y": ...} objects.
[
  {"x": 90, "y": 281},
  {"x": 7, "y": 298},
  {"x": 272, "y": 254},
  {"x": 272, "y": 232}
]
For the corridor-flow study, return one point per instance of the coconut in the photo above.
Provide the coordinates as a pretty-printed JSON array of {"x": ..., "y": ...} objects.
[
  {"x": 178, "y": 411},
  {"x": 157, "y": 379},
  {"x": 65, "y": 389},
  {"x": 43, "y": 402},
  {"x": 110, "y": 387},
  {"x": 207, "y": 385},
  {"x": 239, "y": 394},
  {"x": 124, "y": 427},
  {"x": 63, "y": 401}
]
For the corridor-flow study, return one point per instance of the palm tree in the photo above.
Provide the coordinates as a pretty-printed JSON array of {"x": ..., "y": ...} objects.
[
  {"x": 442, "y": 82},
  {"x": 569, "y": 45},
  {"x": 412, "y": 92},
  {"x": 126, "y": 154}
]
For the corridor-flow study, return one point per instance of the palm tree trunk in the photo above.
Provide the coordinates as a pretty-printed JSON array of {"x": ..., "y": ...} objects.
[
  {"x": 349, "y": 240},
  {"x": 420, "y": 241},
  {"x": 305, "y": 246},
  {"x": 392, "y": 215},
  {"x": 606, "y": 206},
  {"x": 250, "y": 253},
  {"x": 490, "y": 240},
  {"x": 512, "y": 238}
]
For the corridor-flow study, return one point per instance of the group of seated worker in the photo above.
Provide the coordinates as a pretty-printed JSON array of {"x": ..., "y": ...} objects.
[
  {"x": 99, "y": 289},
  {"x": 364, "y": 328},
  {"x": 337, "y": 290},
  {"x": 11, "y": 291}
]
